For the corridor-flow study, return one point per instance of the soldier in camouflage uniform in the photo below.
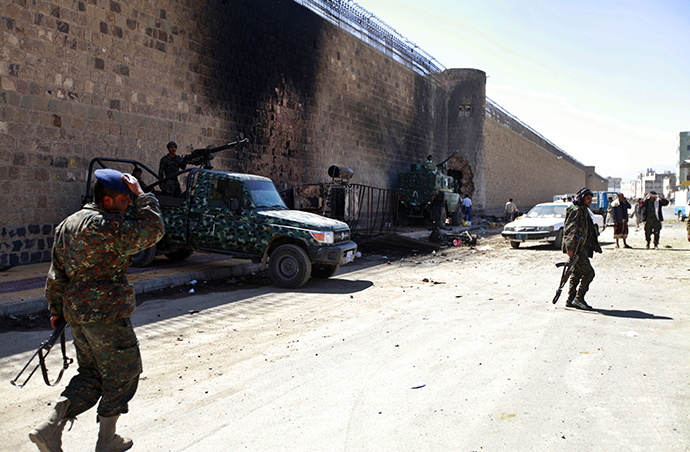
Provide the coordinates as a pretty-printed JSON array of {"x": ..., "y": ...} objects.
[
  {"x": 87, "y": 286},
  {"x": 169, "y": 165},
  {"x": 580, "y": 237}
]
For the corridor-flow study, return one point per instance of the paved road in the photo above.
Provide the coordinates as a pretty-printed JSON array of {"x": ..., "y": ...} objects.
[{"x": 457, "y": 351}]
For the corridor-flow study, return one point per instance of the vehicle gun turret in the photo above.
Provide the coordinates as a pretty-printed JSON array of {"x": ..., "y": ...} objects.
[{"x": 202, "y": 157}]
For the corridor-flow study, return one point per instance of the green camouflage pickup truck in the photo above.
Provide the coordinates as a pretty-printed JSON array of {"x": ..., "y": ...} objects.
[{"x": 243, "y": 215}]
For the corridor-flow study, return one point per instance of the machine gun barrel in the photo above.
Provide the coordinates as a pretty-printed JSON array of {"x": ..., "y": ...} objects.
[
  {"x": 443, "y": 162},
  {"x": 203, "y": 157}
]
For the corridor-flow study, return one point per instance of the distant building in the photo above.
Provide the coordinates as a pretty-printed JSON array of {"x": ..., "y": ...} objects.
[
  {"x": 683, "y": 153},
  {"x": 662, "y": 183},
  {"x": 650, "y": 180},
  {"x": 629, "y": 189},
  {"x": 615, "y": 183}
]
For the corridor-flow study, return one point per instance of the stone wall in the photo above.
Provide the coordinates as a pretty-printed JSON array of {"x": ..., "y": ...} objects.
[
  {"x": 520, "y": 169},
  {"x": 80, "y": 79},
  {"x": 120, "y": 78}
]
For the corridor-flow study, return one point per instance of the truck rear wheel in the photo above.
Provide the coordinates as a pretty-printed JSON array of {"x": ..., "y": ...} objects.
[
  {"x": 323, "y": 271},
  {"x": 289, "y": 266},
  {"x": 144, "y": 257},
  {"x": 179, "y": 255}
]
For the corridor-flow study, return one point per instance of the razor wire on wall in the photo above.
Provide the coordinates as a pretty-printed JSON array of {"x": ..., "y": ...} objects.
[{"x": 359, "y": 22}]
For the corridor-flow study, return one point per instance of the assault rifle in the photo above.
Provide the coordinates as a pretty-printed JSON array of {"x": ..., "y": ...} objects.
[
  {"x": 203, "y": 157},
  {"x": 568, "y": 268},
  {"x": 42, "y": 352}
]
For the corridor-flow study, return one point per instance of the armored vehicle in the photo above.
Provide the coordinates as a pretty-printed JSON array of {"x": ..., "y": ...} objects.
[
  {"x": 429, "y": 195},
  {"x": 243, "y": 215}
]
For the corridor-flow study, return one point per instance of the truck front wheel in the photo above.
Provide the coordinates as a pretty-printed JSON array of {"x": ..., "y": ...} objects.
[
  {"x": 456, "y": 219},
  {"x": 289, "y": 266},
  {"x": 323, "y": 271}
]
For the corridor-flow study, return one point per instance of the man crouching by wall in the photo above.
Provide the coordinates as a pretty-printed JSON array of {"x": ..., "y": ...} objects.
[{"x": 87, "y": 286}]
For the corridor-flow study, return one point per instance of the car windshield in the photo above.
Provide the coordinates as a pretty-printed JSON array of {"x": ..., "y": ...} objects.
[
  {"x": 547, "y": 212},
  {"x": 264, "y": 194}
]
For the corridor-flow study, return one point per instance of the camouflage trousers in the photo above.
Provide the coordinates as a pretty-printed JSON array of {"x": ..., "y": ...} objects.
[
  {"x": 652, "y": 228},
  {"x": 583, "y": 274},
  {"x": 109, "y": 367}
]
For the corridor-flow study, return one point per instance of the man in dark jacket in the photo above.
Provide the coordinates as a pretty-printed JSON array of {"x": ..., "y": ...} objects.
[
  {"x": 87, "y": 287},
  {"x": 580, "y": 238},
  {"x": 653, "y": 216}
]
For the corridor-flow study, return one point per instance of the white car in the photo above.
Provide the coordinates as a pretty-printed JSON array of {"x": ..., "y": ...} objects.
[{"x": 543, "y": 223}]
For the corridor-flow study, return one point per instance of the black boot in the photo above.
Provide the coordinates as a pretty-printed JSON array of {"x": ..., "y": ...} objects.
[
  {"x": 569, "y": 302},
  {"x": 580, "y": 303}
]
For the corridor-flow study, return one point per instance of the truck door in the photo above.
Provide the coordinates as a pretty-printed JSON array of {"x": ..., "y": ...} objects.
[{"x": 218, "y": 227}]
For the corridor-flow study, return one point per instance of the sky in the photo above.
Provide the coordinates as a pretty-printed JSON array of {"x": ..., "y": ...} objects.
[{"x": 606, "y": 81}]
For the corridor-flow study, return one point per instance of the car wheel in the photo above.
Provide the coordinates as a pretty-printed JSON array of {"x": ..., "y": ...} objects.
[
  {"x": 558, "y": 243},
  {"x": 179, "y": 255},
  {"x": 144, "y": 257},
  {"x": 323, "y": 271},
  {"x": 680, "y": 216},
  {"x": 515, "y": 244},
  {"x": 289, "y": 266}
]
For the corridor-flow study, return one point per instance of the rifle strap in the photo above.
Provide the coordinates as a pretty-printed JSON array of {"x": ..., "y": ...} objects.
[{"x": 66, "y": 361}]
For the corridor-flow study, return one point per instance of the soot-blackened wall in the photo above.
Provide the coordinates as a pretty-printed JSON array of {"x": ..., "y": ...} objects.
[
  {"x": 87, "y": 78},
  {"x": 81, "y": 79}
]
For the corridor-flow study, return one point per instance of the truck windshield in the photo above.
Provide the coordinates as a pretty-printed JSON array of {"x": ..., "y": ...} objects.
[{"x": 264, "y": 194}]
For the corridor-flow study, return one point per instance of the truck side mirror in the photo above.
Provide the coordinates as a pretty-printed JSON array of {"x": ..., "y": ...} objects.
[{"x": 234, "y": 205}]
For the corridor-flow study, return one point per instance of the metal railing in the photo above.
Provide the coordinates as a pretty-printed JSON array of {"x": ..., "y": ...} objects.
[
  {"x": 376, "y": 211},
  {"x": 359, "y": 22}
]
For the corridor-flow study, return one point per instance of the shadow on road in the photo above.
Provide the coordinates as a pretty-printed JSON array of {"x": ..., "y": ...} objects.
[
  {"x": 632, "y": 314},
  {"x": 332, "y": 286}
]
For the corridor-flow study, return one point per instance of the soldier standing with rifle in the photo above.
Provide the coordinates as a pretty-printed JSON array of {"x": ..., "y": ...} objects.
[
  {"x": 580, "y": 238},
  {"x": 169, "y": 165},
  {"x": 87, "y": 287}
]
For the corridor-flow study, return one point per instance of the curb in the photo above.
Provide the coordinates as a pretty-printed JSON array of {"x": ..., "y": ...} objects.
[{"x": 37, "y": 305}]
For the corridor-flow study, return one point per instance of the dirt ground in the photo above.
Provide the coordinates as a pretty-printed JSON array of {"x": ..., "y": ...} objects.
[{"x": 458, "y": 350}]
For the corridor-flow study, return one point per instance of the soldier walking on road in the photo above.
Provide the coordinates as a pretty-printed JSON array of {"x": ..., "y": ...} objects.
[
  {"x": 87, "y": 287},
  {"x": 169, "y": 165},
  {"x": 580, "y": 238}
]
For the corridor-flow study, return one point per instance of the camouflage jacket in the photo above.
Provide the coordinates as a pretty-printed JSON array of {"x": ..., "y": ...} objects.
[
  {"x": 170, "y": 165},
  {"x": 92, "y": 250},
  {"x": 579, "y": 227}
]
